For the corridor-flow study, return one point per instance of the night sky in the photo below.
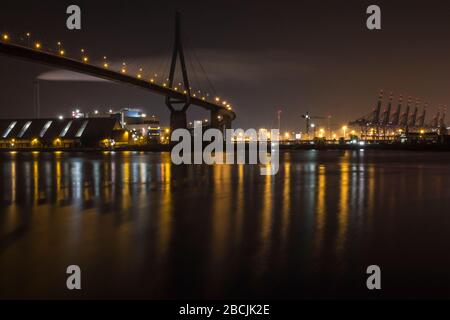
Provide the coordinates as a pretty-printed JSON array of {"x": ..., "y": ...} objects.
[{"x": 297, "y": 56}]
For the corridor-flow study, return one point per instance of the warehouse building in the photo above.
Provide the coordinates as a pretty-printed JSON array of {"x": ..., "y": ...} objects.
[{"x": 61, "y": 133}]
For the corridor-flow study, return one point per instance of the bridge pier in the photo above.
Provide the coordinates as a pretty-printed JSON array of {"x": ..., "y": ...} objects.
[
  {"x": 227, "y": 122},
  {"x": 220, "y": 121},
  {"x": 178, "y": 120}
]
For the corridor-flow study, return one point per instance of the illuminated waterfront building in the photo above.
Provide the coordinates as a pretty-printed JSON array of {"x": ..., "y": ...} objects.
[{"x": 61, "y": 133}]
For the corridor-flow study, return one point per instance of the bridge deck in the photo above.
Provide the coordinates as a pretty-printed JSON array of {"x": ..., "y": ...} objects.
[{"x": 64, "y": 62}]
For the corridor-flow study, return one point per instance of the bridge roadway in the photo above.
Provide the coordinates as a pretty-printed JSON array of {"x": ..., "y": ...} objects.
[{"x": 220, "y": 115}]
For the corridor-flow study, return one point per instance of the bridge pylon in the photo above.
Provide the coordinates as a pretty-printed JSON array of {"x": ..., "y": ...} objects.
[{"x": 178, "y": 116}]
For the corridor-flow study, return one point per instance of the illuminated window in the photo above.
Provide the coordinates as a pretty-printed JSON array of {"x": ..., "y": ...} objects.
[
  {"x": 10, "y": 127},
  {"x": 24, "y": 129},
  {"x": 45, "y": 128},
  {"x": 81, "y": 130},
  {"x": 66, "y": 128}
]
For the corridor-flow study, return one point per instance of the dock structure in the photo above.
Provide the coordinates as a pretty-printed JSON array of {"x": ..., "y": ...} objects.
[{"x": 409, "y": 118}]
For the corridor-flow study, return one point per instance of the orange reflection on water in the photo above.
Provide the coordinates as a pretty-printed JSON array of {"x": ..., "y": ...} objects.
[
  {"x": 321, "y": 207},
  {"x": 371, "y": 194},
  {"x": 59, "y": 193},
  {"x": 126, "y": 182},
  {"x": 286, "y": 203},
  {"x": 343, "y": 204},
  {"x": 35, "y": 178},
  {"x": 267, "y": 209},
  {"x": 265, "y": 225},
  {"x": 13, "y": 181},
  {"x": 221, "y": 212},
  {"x": 240, "y": 206},
  {"x": 165, "y": 214}
]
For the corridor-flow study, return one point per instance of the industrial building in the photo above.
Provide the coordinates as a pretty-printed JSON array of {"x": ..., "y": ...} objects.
[
  {"x": 142, "y": 127},
  {"x": 61, "y": 133}
]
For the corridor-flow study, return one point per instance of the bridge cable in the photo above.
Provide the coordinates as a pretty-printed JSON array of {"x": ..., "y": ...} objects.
[
  {"x": 213, "y": 89},
  {"x": 196, "y": 78}
]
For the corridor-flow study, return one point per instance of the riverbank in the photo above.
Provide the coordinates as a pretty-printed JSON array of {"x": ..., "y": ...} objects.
[
  {"x": 375, "y": 146},
  {"x": 282, "y": 146}
]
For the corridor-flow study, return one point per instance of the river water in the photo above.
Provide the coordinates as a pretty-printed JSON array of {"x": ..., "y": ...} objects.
[{"x": 141, "y": 227}]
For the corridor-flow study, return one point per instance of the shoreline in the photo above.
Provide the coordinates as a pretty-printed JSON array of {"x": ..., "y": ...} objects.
[{"x": 283, "y": 147}]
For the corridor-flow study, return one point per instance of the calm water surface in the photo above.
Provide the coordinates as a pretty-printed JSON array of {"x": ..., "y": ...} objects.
[{"x": 140, "y": 227}]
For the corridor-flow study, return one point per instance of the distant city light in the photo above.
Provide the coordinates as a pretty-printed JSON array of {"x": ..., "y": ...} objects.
[
  {"x": 77, "y": 114},
  {"x": 344, "y": 129}
]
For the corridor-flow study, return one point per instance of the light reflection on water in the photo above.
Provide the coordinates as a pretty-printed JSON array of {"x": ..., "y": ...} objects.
[{"x": 139, "y": 226}]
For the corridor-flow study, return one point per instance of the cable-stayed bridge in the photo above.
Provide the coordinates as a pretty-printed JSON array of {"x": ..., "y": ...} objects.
[{"x": 179, "y": 95}]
